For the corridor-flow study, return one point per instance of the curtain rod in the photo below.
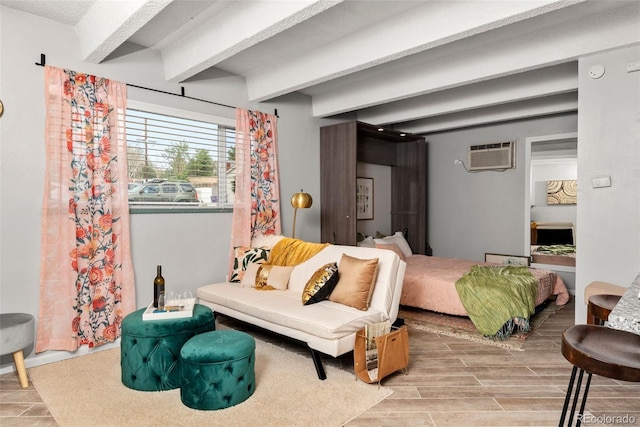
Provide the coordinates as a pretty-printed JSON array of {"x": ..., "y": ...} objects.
[
  {"x": 43, "y": 61},
  {"x": 181, "y": 95}
]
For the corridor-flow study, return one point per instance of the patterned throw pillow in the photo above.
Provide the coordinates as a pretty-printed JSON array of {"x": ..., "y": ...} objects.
[
  {"x": 320, "y": 285},
  {"x": 245, "y": 255}
]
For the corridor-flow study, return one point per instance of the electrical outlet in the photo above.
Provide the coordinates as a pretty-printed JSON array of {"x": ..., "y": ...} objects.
[{"x": 457, "y": 162}]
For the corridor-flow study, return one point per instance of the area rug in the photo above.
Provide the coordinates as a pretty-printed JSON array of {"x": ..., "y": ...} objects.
[
  {"x": 463, "y": 327},
  {"x": 87, "y": 390}
]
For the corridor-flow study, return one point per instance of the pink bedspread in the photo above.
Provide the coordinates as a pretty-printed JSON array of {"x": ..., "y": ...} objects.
[{"x": 429, "y": 283}]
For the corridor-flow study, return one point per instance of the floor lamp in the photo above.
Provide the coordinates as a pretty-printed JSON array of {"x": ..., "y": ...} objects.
[{"x": 299, "y": 200}]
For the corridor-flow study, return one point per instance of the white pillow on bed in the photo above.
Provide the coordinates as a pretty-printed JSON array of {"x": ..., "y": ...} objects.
[
  {"x": 399, "y": 240},
  {"x": 366, "y": 243}
]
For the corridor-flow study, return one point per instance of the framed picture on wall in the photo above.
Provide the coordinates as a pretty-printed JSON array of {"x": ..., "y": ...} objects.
[
  {"x": 563, "y": 192},
  {"x": 364, "y": 198}
]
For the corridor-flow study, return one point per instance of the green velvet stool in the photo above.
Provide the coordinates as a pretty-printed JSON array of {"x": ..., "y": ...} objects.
[
  {"x": 150, "y": 349},
  {"x": 217, "y": 370}
]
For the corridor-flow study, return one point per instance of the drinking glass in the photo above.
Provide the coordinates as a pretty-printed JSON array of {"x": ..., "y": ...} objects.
[
  {"x": 161, "y": 301},
  {"x": 170, "y": 300},
  {"x": 179, "y": 301}
]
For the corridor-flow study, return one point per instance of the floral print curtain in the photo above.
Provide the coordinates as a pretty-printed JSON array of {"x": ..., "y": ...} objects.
[
  {"x": 86, "y": 277},
  {"x": 256, "y": 209}
]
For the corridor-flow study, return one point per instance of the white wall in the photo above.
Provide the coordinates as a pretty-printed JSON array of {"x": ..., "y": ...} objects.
[
  {"x": 193, "y": 248},
  {"x": 474, "y": 213},
  {"x": 608, "y": 145}
]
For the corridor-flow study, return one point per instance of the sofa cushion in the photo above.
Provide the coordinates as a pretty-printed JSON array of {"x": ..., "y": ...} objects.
[
  {"x": 398, "y": 239},
  {"x": 355, "y": 283},
  {"x": 325, "y": 319},
  {"x": 321, "y": 284},
  {"x": 391, "y": 247},
  {"x": 268, "y": 241},
  {"x": 386, "y": 281}
]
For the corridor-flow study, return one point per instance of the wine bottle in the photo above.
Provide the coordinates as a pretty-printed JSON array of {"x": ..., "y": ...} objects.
[{"x": 158, "y": 286}]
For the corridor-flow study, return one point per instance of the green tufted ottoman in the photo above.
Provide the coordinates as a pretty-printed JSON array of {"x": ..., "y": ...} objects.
[
  {"x": 217, "y": 370},
  {"x": 150, "y": 349}
]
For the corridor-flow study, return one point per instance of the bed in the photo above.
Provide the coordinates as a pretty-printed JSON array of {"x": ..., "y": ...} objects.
[{"x": 430, "y": 282}]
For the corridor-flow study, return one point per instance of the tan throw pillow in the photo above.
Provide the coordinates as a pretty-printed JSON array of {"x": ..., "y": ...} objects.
[
  {"x": 355, "y": 283},
  {"x": 270, "y": 277},
  {"x": 392, "y": 247},
  {"x": 320, "y": 285}
]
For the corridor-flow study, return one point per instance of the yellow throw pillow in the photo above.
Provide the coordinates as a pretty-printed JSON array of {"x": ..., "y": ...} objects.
[
  {"x": 321, "y": 283},
  {"x": 355, "y": 283},
  {"x": 270, "y": 277}
]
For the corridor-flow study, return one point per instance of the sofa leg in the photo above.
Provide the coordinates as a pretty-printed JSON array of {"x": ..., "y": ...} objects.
[
  {"x": 315, "y": 354},
  {"x": 399, "y": 322}
]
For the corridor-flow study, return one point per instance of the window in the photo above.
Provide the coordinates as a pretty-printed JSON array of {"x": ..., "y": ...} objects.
[{"x": 179, "y": 159}]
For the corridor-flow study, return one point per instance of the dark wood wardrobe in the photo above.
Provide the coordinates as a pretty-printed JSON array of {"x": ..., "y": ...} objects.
[{"x": 341, "y": 147}]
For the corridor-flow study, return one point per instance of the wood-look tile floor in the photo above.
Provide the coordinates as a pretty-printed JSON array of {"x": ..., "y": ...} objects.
[{"x": 450, "y": 382}]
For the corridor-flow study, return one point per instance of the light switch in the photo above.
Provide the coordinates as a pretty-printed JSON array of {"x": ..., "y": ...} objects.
[{"x": 601, "y": 181}]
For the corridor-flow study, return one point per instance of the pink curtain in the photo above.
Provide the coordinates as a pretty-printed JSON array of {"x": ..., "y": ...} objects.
[
  {"x": 256, "y": 209},
  {"x": 86, "y": 275}
]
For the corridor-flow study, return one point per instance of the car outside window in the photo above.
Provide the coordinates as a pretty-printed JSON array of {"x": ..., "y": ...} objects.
[
  {"x": 188, "y": 188},
  {"x": 169, "y": 188},
  {"x": 151, "y": 189}
]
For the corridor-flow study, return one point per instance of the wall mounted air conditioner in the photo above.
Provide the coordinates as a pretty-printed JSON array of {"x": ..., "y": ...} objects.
[{"x": 500, "y": 155}]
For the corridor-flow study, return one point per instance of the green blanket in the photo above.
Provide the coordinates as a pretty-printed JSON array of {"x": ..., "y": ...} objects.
[{"x": 497, "y": 298}]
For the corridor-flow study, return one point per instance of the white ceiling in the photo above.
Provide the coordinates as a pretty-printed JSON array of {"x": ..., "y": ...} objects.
[{"x": 419, "y": 66}]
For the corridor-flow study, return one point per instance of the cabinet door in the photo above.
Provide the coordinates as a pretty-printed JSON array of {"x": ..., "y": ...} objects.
[
  {"x": 409, "y": 193},
  {"x": 338, "y": 148}
]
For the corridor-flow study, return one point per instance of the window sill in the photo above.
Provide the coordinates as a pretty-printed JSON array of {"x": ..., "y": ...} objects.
[{"x": 177, "y": 209}]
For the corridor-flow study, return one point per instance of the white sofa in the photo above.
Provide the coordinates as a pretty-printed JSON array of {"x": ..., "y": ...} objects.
[{"x": 327, "y": 326}]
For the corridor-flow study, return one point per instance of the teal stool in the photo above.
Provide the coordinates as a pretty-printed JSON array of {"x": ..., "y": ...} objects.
[
  {"x": 150, "y": 349},
  {"x": 217, "y": 370}
]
